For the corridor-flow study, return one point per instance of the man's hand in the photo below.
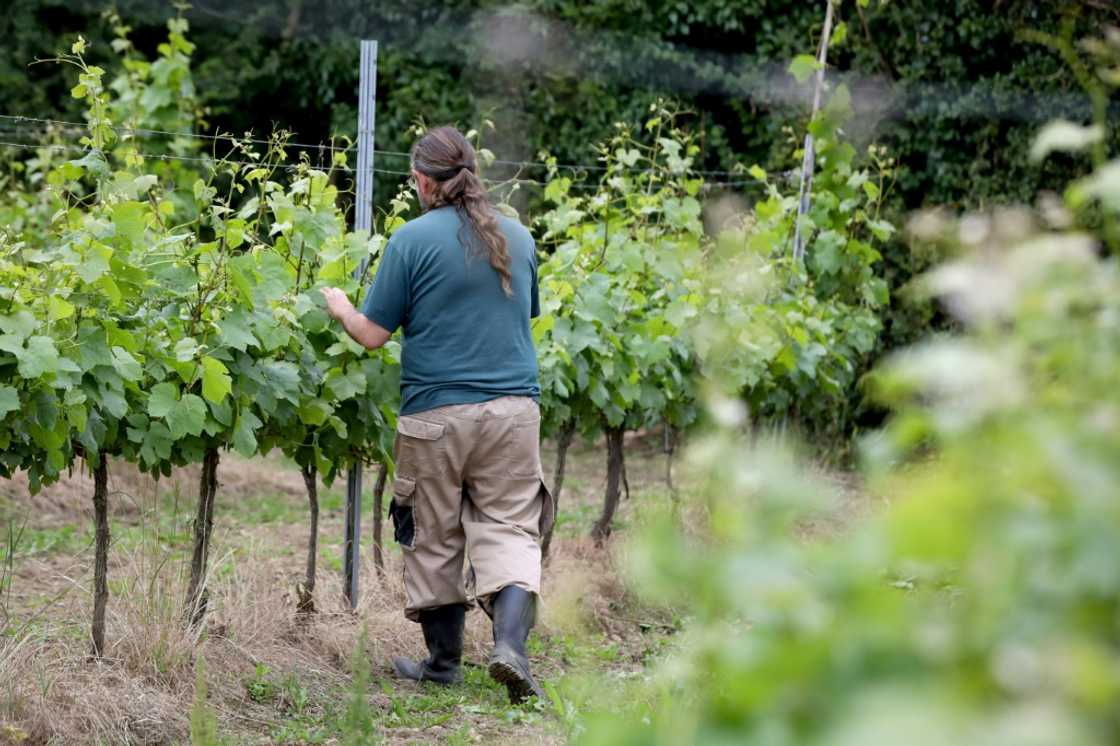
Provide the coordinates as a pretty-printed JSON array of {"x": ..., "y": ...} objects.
[
  {"x": 338, "y": 305},
  {"x": 362, "y": 330}
]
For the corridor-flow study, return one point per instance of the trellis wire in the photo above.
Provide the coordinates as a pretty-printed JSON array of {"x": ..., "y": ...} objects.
[
  {"x": 213, "y": 162},
  {"x": 598, "y": 167}
]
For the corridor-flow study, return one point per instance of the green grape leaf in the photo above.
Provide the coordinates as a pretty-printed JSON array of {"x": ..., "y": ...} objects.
[
  {"x": 110, "y": 289},
  {"x": 58, "y": 309},
  {"x": 314, "y": 412},
  {"x": 95, "y": 263},
  {"x": 881, "y": 229},
  {"x": 113, "y": 402},
  {"x": 20, "y": 324},
  {"x": 122, "y": 338},
  {"x": 142, "y": 184},
  {"x": 157, "y": 443},
  {"x": 803, "y": 66},
  {"x": 162, "y": 399},
  {"x": 77, "y": 415},
  {"x": 12, "y": 343},
  {"x": 270, "y": 332},
  {"x": 786, "y": 359},
  {"x": 129, "y": 219},
  {"x": 187, "y": 417},
  {"x": 93, "y": 162},
  {"x": 185, "y": 349},
  {"x": 346, "y": 385},
  {"x": 126, "y": 364},
  {"x": 284, "y": 377},
  {"x": 44, "y": 411},
  {"x": 276, "y": 275},
  {"x": 244, "y": 433},
  {"x": 235, "y": 233},
  {"x": 216, "y": 381},
  {"x": 39, "y": 358},
  {"x": 235, "y": 332},
  {"x": 222, "y": 413},
  {"x": 9, "y": 400},
  {"x": 92, "y": 347},
  {"x": 828, "y": 251}
]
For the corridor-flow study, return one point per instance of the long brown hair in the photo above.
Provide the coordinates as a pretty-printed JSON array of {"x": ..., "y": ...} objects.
[{"x": 444, "y": 155}]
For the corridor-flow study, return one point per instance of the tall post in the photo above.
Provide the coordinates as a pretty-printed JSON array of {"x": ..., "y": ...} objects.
[
  {"x": 363, "y": 220},
  {"x": 808, "y": 164}
]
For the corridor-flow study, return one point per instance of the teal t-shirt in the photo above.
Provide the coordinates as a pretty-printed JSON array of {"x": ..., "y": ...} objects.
[{"x": 465, "y": 341}]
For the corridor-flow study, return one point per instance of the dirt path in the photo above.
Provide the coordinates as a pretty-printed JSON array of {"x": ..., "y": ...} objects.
[{"x": 271, "y": 677}]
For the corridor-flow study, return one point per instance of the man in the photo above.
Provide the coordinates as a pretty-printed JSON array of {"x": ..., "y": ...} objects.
[{"x": 461, "y": 281}]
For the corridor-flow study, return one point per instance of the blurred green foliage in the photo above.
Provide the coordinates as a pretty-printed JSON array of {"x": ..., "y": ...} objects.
[
  {"x": 794, "y": 336},
  {"x": 980, "y": 602}
]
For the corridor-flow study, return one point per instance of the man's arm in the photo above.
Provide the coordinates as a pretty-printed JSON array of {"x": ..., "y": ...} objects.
[{"x": 365, "y": 332}]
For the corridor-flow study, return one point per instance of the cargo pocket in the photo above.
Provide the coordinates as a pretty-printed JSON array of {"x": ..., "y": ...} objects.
[
  {"x": 418, "y": 443},
  {"x": 401, "y": 512},
  {"x": 522, "y": 446},
  {"x": 548, "y": 510},
  {"x": 414, "y": 427}
]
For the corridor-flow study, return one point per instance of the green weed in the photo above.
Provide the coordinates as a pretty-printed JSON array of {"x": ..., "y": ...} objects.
[
  {"x": 260, "y": 687},
  {"x": 204, "y": 724},
  {"x": 357, "y": 727}
]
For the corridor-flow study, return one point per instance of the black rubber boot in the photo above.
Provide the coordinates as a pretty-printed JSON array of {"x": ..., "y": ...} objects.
[
  {"x": 443, "y": 633},
  {"x": 514, "y": 611}
]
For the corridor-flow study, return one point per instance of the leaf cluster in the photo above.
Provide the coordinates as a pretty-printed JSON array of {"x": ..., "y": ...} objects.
[{"x": 150, "y": 322}]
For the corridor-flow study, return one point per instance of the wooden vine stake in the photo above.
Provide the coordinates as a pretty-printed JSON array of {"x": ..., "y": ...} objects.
[
  {"x": 379, "y": 519},
  {"x": 670, "y": 448},
  {"x": 101, "y": 557},
  {"x": 808, "y": 163},
  {"x": 195, "y": 607}
]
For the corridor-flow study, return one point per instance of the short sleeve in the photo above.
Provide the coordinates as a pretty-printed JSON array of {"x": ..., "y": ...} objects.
[
  {"x": 534, "y": 290},
  {"x": 386, "y": 302}
]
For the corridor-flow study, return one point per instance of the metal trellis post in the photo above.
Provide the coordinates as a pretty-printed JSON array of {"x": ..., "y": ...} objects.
[{"x": 363, "y": 220}]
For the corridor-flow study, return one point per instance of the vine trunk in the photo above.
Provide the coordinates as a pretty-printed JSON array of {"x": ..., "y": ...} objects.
[
  {"x": 563, "y": 442},
  {"x": 306, "y": 602},
  {"x": 616, "y": 466}
]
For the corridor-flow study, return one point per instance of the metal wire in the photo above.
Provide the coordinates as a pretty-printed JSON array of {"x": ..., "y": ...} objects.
[
  {"x": 211, "y": 162},
  {"x": 597, "y": 167},
  {"x": 172, "y": 133}
]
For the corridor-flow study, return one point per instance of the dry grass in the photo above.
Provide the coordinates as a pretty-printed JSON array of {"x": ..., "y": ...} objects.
[{"x": 51, "y": 691}]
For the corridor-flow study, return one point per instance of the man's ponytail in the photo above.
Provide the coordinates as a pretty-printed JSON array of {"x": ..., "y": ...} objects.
[{"x": 444, "y": 155}]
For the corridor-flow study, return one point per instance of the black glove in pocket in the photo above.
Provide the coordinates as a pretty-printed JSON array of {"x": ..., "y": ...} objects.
[{"x": 400, "y": 511}]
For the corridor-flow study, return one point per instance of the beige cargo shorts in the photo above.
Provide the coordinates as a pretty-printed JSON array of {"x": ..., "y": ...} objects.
[{"x": 469, "y": 493}]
